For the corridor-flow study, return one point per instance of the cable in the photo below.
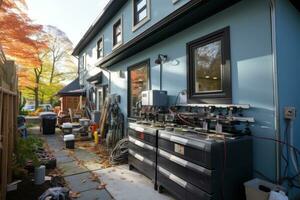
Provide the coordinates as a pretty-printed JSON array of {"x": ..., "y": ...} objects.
[
  {"x": 291, "y": 140},
  {"x": 120, "y": 153},
  {"x": 282, "y": 153},
  {"x": 224, "y": 167},
  {"x": 181, "y": 118},
  {"x": 296, "y": 150},
  {"x": 279, "y": 141}
]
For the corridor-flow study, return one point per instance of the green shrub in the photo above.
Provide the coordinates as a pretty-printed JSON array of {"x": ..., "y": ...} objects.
[
  {"x": 26, "y": 150},
  {"x": 23, "y": 112}
]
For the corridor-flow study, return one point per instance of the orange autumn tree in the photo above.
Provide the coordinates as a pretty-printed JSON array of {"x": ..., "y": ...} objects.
[
  {"x": 20, "y": 40},
  {"x": 17, "y": 34}
]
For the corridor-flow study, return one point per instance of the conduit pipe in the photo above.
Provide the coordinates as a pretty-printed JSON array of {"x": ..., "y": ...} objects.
[{"x": 275, "y": 88}]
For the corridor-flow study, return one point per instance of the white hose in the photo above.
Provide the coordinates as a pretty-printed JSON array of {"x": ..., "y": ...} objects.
[{"x": 295, "y": 164}]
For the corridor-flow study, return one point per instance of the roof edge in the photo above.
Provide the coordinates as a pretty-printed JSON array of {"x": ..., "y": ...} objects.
[{"x": 110, "y": 9}]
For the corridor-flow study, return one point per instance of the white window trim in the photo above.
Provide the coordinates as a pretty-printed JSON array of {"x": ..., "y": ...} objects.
[
  {"x": 100, "y": 58},
  {"x": 122, "y": 34},
  {"x": 145, "y": 20}
]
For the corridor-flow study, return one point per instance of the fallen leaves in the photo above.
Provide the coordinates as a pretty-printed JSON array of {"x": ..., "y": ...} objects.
[
  {"x": 94, "y": 177},
  {"x": 102, "y": 186},
  {"x": 55, "y": 172},
  {"x": 74, "y": 194}
]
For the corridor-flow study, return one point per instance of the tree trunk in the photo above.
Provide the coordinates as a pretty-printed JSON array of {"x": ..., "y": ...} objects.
[
  {"x": 36, "y": 96},
  {"x": 51, "y": 78},
  {"x": 37, "y": 85},
  {"x": 42, "y": 98}
]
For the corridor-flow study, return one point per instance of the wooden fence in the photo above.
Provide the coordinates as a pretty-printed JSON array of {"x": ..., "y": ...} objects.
[
  {"x": 8, "y": 129},
  {"x": 8, "y": 120}
]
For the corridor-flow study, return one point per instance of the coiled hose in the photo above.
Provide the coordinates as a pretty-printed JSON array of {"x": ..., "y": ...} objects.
[{"x": 119, "y": 154}]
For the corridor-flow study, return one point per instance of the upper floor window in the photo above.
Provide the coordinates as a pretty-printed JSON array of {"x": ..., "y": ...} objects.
[
  {"x": 117, "y": 33},
  {"x": 100, "y": 49},
  {"x": 141, "y": 12},
  {"x": 209, "y": 68}
]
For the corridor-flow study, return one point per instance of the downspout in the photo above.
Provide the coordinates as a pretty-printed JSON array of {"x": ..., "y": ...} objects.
[
  {"x": 275, "y": 89},
  {"x": 78, "y": 65},
  {"x": 109, "y": 78}
]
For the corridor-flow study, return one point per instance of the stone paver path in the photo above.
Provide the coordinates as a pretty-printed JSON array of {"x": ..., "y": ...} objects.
[
  {"x": 77, "y": 169},
  {"x": 83, "y": 172}
]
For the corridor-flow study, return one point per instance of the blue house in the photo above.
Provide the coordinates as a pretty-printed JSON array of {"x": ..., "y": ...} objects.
[{"x": 217, "y": 51}]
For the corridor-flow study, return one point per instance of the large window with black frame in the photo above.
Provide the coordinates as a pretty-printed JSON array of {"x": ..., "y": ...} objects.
[
  {"x": 209, "y": 74},
  {"x": 141, "y": 11},
  {"x": 100, "y": 50},
  {"x": 117, "y": 33},
  {"x": 138, "y": 81}
]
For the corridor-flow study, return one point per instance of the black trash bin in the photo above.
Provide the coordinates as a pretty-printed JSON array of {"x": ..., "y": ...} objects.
[{"x": 48, "y": 123}]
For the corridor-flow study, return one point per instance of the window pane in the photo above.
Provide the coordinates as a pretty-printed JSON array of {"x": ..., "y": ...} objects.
[
  {"x": 208, "y": 63},
  {"x": 119, "y": 38},
  {"x": 141, "y": 4},
  {"x": 100, "y": 44},
  {"x": 100, "y": 53},
  {"x": 138, "y": 83},
  {"x": 118, "y": 29},
  {"x": 117, "y": 33},
  {"x": 142, "y": 15}
]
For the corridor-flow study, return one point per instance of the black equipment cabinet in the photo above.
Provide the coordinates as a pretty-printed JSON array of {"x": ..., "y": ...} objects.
[
  {"x": 142, "y": 150},
  {"x": 190, "y": 166}
]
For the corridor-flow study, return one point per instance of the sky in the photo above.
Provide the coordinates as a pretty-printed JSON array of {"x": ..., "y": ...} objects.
[{"x": 73, "y": 17}]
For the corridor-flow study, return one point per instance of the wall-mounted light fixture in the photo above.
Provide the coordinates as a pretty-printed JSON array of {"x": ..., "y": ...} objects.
[{"x": 161, "y": 59}]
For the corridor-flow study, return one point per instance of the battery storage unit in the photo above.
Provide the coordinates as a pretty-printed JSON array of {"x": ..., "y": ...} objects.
[
  {"x": 142, "y": 150},
  {"x": 192, "y": 167}
]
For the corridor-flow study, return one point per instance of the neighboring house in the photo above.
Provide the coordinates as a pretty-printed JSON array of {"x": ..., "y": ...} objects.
[
  {"x": 72, "y": 96},
  {"x": 220, "y": 51}
]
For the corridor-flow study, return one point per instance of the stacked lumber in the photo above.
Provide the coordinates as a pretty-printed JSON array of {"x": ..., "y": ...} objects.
[{"x": 104, "y": 116}]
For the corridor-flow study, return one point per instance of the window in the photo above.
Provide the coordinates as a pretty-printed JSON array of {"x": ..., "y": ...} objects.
[
  {"x": 209, "y": 79},
  {"x": 138, "y": 81},
  {"x": 141, "y": 12},
  {"x": 117, "y": 33},
  {"x": 100, "y": 49}
]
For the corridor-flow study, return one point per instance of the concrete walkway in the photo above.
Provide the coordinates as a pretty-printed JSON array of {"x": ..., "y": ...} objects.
[{"x": 86, "y": 174}]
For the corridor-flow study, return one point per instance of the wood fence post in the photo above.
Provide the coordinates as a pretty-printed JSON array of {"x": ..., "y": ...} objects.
[{"x": 5, "y": 145}]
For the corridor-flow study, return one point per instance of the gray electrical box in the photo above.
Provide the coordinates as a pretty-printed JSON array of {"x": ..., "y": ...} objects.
[{"x": 154, "y": 98}]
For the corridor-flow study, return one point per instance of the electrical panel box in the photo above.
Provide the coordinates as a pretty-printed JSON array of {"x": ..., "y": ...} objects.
[{"x": 155, "y": 98}]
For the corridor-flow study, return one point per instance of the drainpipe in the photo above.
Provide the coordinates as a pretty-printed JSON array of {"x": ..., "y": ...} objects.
[
  {"x": 275, "y": 89},
  {"x": 78, "y": 65},
  {"x": 109, "y": 78}
]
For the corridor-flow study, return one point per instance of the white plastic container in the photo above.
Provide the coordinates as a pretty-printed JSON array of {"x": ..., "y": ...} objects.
[
  {"x": 67, "y": 125},
  {"x": 67, "y": 128},
  {"x": 253, "y": 191},
  {"x": 84, "y": 122},
  {"x": 70, "y": 141},
  {"x": 39, "y": 175}
]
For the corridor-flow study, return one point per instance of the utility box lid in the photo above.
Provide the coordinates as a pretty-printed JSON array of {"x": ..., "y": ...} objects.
[{"x": 69, "y": 137}]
